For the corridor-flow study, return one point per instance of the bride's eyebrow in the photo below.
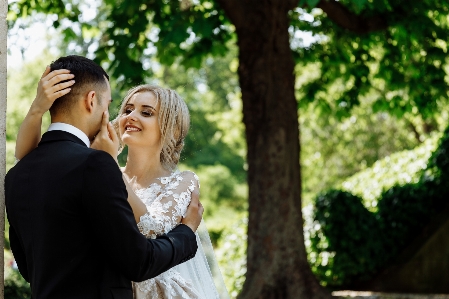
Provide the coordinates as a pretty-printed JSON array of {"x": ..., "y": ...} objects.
[{"x": 149, "y": 106}]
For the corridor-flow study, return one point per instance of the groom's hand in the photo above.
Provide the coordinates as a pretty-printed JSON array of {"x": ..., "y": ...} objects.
[
  {"x": 52, "y": 86},
  {"x": 106, "y": 139},
  {"x": 194, "y": 212}
]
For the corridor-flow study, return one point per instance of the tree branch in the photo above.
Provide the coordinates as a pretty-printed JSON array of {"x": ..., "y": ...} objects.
[{"x": 349, "y": 20}]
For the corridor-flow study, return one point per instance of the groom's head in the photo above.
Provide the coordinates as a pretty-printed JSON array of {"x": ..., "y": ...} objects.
[{"x": 89, "y": 96}]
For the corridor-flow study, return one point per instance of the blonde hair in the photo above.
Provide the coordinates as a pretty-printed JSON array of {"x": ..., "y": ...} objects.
[{"x": 173, "y": 118}]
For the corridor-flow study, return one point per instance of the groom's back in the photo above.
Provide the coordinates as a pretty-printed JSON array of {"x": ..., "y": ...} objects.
[{"x": 45, "y": 194}]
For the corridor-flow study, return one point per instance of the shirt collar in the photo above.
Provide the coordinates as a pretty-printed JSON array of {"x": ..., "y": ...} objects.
[{"x": 70, "y": 129}]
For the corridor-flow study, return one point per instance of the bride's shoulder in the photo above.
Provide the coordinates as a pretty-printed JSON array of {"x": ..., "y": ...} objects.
[{"x": 189, "y": 176}]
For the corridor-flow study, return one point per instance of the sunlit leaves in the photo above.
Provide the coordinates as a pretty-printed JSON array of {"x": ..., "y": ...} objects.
[
  {"x": 185, "y": 30},
  {"x": 402, "y": 65},
  {"x": 63, "y": 9},
  {"x": 339, "y": 250}
]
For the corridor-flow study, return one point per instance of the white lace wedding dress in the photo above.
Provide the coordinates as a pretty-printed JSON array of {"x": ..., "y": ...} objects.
[{"x": 167, "y": 202}]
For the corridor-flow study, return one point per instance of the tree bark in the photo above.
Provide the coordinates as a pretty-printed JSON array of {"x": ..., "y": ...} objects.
[
  {"x": 3, "y": 34},
  {"x": 277, "y": 265}
]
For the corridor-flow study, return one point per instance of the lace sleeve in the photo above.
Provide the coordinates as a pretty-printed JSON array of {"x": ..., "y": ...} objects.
[{"x": 170, "y": 205}]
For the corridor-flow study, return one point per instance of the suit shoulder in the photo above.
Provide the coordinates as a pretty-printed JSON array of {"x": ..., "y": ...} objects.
[
  {"x": 102, "y": 162},
  {"x": 96, "y": 156}
]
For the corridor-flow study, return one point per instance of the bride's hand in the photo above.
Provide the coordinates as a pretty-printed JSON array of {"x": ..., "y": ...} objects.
[
  {"x": 194, "y": 212},
  {"x": 106, "y": 139},
  {"x": 50, "y": 88}
]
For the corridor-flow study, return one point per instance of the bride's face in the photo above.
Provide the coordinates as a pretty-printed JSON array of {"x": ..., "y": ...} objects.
[{"x": 139, "y": 125}]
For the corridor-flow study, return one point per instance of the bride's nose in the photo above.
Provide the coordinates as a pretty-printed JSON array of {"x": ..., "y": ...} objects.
[{"x": 131, "y": 116}]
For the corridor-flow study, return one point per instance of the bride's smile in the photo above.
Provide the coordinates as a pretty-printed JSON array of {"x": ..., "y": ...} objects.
[{"x": 131, "y": 128}]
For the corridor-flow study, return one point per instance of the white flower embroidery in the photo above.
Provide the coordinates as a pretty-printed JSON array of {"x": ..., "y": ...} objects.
[{"x": 166, "y": 203}]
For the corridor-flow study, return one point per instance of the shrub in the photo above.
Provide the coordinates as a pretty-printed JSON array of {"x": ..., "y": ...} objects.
[
  {"x": 15, "y": 286},
  {"x": 231, "y": 256},
  {"x": 345, "y": 235},
  {"x": 347, "y": 243}
]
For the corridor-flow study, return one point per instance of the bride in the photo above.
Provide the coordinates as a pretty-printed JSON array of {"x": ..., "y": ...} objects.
[{"x": 152, "y": 122}]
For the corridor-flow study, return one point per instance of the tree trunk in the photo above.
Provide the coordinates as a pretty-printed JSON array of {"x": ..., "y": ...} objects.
[
  {"x": 3, "y": 34},
  {"x": 277, "y": 265}
]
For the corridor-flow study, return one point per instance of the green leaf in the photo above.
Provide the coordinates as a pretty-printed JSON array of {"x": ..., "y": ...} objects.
[
  {"x": 360, "y": 4},
  {"x": 312, "y": 3}
]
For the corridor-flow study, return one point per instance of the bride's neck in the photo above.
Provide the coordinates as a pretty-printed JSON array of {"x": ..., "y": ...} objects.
[{"x": 144, "y": 165}]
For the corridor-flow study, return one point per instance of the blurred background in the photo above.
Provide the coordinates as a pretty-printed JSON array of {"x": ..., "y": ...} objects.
[{"x": 372, "y": 105}]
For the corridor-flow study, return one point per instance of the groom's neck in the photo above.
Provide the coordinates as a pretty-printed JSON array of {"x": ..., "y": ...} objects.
[{"x": 76, "y": 121}]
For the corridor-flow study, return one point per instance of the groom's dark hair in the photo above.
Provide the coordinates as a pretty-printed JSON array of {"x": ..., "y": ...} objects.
[{"x": 88, "y": 76}]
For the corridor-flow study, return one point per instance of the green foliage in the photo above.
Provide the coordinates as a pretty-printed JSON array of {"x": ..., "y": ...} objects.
[
  {"x": 345, "y": 227},
  {"x": 22, "y": 84},
  {"x": 439, "y": 161},
  {"x": 231, "y": 256},
  {"x": 177, "y": 29},
  {"x": 347, "y": 243},
  {"x": 224, "y": 199},
  {"x": 397, "y": 169},
  {"x": 61, "y": 9},
  {"x": 333, "y": 150},
  {"x": 15, "y": 286},
  {"x": 220, "y": 185},
  {"x": 402, "y": 66}
]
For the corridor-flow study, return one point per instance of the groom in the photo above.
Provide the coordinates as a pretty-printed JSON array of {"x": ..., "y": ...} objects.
[{"x": 72, "y": 231}]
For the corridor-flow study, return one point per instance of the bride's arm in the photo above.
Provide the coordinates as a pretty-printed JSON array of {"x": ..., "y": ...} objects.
[{"x": 49, "y": 89}]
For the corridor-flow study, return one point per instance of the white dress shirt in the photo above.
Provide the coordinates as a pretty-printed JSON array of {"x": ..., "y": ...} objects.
[{"x": 70, "y": 129}]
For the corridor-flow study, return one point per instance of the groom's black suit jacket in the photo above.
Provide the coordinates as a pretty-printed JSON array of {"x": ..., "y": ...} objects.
[{"x": 72, "y": 231}]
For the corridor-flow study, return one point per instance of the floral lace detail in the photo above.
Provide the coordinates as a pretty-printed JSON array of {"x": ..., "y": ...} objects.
[
  {"x": 167, "y": 203},
  {"x": 168, "y": 285}
]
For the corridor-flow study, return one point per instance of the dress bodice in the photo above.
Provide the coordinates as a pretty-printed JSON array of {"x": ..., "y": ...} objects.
[{"x": 166, "y": 201}]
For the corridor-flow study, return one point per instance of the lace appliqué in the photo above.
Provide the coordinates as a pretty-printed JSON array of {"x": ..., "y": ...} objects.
[
  {"x": 168, "y": 285},
  {"x": 167, "y": 203}
]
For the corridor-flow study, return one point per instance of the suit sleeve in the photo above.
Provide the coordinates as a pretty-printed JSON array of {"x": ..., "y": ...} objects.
[
  {"x": 19, "y": 254},
  {"x": 105, "y": 200}
]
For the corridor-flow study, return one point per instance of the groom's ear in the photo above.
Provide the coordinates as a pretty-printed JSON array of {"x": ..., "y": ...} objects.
[{"x": 89, "y": 101}]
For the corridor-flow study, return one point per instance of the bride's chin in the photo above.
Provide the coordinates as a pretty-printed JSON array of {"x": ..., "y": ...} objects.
[{"x": 126, "y": 139}]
